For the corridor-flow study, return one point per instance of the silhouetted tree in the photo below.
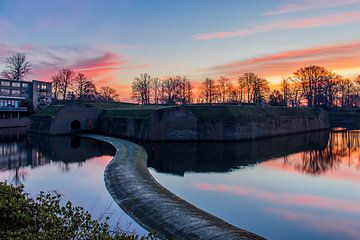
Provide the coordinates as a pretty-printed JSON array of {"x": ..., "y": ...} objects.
[
  {"x": 156, "y": 88},
  {"x": 108, "y": 94},
  {"x": 285, "y": 89},
  {"x": 16, "y": 67},
  {"x": 55, "y": 81},
  {"x": 260, "y": 88},
  {"x": 314, "y": 81},
  {"x": 84, "y": 87},
  {"x": 64, "y": 80},
  {"x": 176, "y": 90},
  {"x": 223, "y": 91},
  {"x": 141, "y": 88},
  {"x": 295, "y": 94},
  {"x": 208, "y": 91},
  {"x": 276, "y": 98}
]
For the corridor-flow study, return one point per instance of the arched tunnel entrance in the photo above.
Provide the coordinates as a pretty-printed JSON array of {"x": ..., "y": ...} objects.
[{"x": 75, "y": 125}]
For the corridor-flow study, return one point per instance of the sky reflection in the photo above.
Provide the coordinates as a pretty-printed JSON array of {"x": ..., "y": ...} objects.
[
  {"x": 297, "y": 187},
  {"x": 72, "y": 167}
]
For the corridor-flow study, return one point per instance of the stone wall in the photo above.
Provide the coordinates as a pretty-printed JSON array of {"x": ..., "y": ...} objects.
[
  {"x": 181, "y": 124},
  {"x": 87, "y": 116},
  {"x": 349, "y": 120}
]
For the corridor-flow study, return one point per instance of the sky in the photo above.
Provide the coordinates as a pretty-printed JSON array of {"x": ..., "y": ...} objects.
[{"x": 114, "y": 41}]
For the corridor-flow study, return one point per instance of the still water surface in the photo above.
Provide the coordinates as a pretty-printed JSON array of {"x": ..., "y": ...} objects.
[
  {"x": 305, "y": 186},
  {"x": 72, "y": 166}
]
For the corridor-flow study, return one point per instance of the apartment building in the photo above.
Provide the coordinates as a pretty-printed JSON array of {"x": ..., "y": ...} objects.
[{"x": 20, "y": 96}]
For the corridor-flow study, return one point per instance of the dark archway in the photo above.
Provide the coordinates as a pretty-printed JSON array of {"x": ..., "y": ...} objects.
[{"x": 75, "y": 125}]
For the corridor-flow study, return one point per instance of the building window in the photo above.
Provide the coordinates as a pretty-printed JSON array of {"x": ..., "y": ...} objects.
[
  {"x": 5, "y": 91},
  {"x": 15, "y": 92},
  {"x": 16, "y": 84},
  {"x": 43, "y": 86},
  {"x": 24, "y": 85},
  {"x": 3, "y": 83}
]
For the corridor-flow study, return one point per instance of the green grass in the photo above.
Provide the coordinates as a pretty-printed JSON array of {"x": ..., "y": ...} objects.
[
  {"x": 50, "y": 110},
  {"x": 220, "y": 112}
]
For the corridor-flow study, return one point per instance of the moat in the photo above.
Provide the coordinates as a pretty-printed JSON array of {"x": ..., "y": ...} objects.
[{"x": 303, "y": 186}]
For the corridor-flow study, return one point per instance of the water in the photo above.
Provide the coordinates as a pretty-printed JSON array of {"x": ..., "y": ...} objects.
[
  {"x": 72, "y": 166},
  {"x": 304, "y": 186}
]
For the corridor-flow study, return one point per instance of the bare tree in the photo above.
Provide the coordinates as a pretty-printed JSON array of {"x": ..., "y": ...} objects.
[
  {"x": 170, "y": 90},
  {"x": 16, "y": 67},
  {"x": 241, "y": 89},
  {"x": 55, "y": 81},
  {"x": 108, "y": 94},
  {"x": 141, "y": 88},
  {"x": 185, "y": 90},
  {"x": 65, "y": 79},
  {"x": 84, "y": 87},
  {"x": 260, "y": 89},
  {"x": 223, "y": 91},
  {"x": 208, "y": 91},
  {"x": 156, "y": 88},
  {"x": 276, "y": 98},
  {"x": 314, "y": 80},
  {"x": 285, "y": 89},
  {"x": 295, "y": 94}
]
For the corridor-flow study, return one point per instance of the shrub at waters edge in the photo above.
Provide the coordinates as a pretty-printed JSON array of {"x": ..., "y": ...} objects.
[{"x": 44, "y": 217}]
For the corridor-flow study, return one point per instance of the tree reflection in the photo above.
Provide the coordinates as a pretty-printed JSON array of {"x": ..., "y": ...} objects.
[
  {"x": 19, "y": 151},
  {"x": 343, "y": 148}
]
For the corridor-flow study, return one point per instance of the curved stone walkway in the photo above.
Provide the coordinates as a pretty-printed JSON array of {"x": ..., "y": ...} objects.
[{"x": 154, "y": 207}]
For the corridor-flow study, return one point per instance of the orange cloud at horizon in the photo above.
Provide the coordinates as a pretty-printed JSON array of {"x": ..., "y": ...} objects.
[{"x": 342, "y": 57}]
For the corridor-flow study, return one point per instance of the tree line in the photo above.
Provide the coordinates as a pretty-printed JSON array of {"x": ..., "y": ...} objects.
[
  {"x": 312, "y": 86},
  {"x": 67, "y": 84},
  {"x": 70, "y": 85}
]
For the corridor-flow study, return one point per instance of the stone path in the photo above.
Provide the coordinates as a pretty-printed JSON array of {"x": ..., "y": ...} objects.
[{"x": 154, "y": 207}]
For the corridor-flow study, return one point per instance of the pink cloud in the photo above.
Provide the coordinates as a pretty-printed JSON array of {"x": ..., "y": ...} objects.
[
  {"x": 335, "y": 57},
  {"x": 301, "y": 23},
  {"x": 304, "y": 200},
  {"x": 310, "y": 5},
  {"x": 350, "y": 228}
]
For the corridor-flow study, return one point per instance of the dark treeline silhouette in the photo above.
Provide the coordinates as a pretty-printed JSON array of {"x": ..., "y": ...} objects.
[
  {"x": 312, "y": 86},
  {"x": 173, "y": 90},
  {"x": 69, "y": 85}
]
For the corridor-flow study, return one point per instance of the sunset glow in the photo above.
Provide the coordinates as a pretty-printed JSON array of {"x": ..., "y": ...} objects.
[{"x": 115, "y": 41}]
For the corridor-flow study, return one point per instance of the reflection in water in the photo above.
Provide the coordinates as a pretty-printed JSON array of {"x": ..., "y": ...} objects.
[
  {"x": 178, "y": 158},
  {"x": 18, "y": 150},
  {"x": 72, "y": 166},
  {"x": 302, "y": 186}
]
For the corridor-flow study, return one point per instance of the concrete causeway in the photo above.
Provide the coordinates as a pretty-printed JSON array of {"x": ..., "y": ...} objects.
[{"x": 154, "y": 207}]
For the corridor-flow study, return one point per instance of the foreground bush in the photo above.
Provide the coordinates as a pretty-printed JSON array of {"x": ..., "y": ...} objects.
[{"x": 44, "y": 217}]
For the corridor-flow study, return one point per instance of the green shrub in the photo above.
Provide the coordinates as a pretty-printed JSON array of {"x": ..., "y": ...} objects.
[{"x": 44, "y": 217}]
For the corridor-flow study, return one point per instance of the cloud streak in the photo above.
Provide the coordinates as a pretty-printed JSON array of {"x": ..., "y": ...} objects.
[
  {"x": 335, "y": 56},
  {"x": 310, "y": 5},
  {"x": 337, "y": 225},
  {"x": 303, "y": 200},
  {"x": 290, "y": 24}
]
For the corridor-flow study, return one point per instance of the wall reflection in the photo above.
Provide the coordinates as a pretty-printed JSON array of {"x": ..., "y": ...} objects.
[
  {"x": 311, "y": 153},
  {"x": 19, "y": 150}
]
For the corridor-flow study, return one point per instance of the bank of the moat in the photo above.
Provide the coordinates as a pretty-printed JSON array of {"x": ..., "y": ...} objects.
[{"x": 179, "y": 123}]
